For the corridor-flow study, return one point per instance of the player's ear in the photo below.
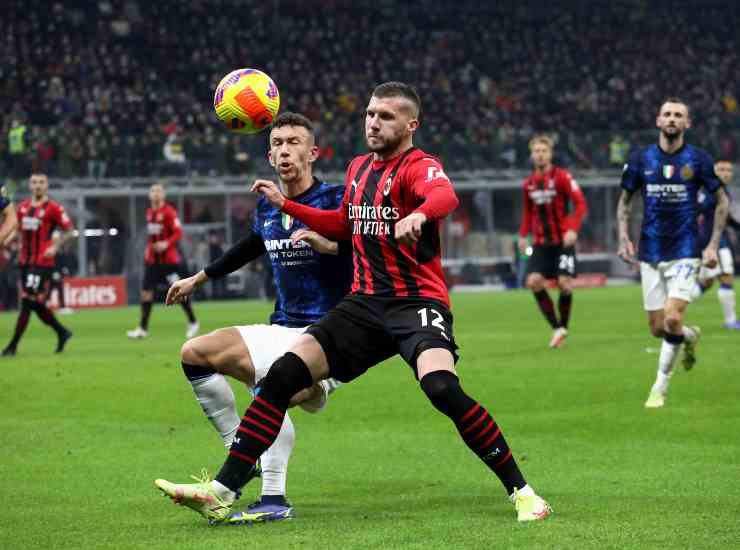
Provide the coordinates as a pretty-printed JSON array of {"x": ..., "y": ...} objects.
[
  {"x": 413, "y": 125},
  {"x": 313, "y": 153},
  {"x": 270, "y": 159}
]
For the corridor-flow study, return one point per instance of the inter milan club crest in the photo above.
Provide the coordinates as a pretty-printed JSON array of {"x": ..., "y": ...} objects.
[
  {"x": 668, "y": 171},
  {"x": 686, "y": 172},
  {"x": 388, "y": 184},
  {"x": 287, "y": 221}
]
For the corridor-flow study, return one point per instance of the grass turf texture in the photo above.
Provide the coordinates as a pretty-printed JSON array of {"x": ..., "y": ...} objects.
[{"x": 84, "y": 434}]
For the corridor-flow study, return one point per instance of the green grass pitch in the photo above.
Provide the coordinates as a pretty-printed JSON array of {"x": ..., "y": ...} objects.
[{"x": 83, "y": 435}]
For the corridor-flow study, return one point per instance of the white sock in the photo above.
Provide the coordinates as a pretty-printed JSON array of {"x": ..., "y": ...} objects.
[
  {"x": 695, "y": 292},
  {"x": 726, "y": 298},
  {"x": 223, "y": 491},
  {"x": 274, "y": 460},
  {"x": 666, "y": 362},
  {"x": 689, "y": 333},
  {"x": 217, "y": 400},
  {"x": 525, "y": 491}
]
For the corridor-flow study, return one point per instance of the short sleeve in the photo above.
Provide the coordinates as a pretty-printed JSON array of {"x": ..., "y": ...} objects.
[
  {"x": 425, "y": 174},
  {"x": 62, "y": 218},
  {"x": 706, "y": 176},
  {"x": 631, "y": 179}
]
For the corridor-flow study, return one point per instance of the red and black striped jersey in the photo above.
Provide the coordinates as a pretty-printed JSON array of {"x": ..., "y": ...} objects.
[
  {"x": 162, "y": 224},
  {"x": 377, "y": 195},
  {"x": 545, "y": 212},
  {"x": 37, "y": 225}
]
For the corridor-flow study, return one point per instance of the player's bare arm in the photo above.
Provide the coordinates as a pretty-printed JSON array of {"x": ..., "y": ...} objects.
[
  {"x": 271, "y": 192},
  {"x": 8, "y": 227},
  {"x": 624, "y": 211},
  {"x": 408, "y": 229},
  {"x": 320, "y": 244},
  {"x": 709, "y": 256},
  {"x": 58, "y": 242}
]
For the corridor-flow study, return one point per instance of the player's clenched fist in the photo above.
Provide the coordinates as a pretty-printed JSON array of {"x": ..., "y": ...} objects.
[
  {"x": 710, "y": 257},
  {"x": 408, "y": 230},
  {"x": 271, "y": 192},
  {"x": 320, "y": 244},
  {"x": 181, "y": 290}
]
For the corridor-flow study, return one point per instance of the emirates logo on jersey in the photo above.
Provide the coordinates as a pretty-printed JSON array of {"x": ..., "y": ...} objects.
[
  {"x": 372, "y": 220},
  {"x": 153, "y": 228},
  {"x": 29, "y": 223}
]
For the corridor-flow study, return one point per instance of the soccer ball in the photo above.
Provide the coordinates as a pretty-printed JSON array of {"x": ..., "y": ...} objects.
[{"x": 246, "y": 101}]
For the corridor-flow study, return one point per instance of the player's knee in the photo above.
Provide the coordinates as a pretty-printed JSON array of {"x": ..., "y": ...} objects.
[
  {"x": 535, "y": 282},
  {"x": 441, "y": 387},
  {"x": 191, "y": 354},
  {"x": 287, "y": 376},
  {"x": 673, "y": 322}
]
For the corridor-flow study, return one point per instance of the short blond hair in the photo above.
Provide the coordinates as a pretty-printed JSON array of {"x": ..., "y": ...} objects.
[{"x": 541, "y": 138}]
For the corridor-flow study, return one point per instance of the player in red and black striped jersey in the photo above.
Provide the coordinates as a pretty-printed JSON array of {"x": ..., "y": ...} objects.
[
  {"x": 161, "y": 260},
  {"x": 547, "y": 193},
  {"x": 393, "y": 201},
  {"x": 44, "y": 228}
]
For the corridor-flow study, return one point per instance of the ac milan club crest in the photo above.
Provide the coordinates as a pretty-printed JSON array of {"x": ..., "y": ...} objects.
[{"x": 388, "y": 185}]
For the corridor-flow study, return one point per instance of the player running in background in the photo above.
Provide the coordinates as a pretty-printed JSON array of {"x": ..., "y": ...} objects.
[
  {"x": 670, "y": 175},
  {"x": 161, "y": 260},
  {"x": 40, "y": 217},
  {"x": 725, "y": 268},
  {"x": 547, "y": 192},
  {"x": 394, "y": 200},
  {"x": 8, "y": 218},
  {"x": 311, "y": 275}
]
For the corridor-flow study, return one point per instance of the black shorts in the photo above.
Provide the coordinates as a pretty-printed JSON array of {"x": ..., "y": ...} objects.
[
  {"x": 362, "y": 331},
  {"x": 160, "y": 276},
  {"x": 553, "y": 261},
  {"x": 35, "y": 280}
]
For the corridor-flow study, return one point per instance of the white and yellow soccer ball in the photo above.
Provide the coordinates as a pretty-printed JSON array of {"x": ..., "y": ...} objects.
[{"x": 246, "y": 101}]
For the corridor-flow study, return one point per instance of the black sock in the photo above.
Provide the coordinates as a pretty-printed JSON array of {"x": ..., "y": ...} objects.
[
  {"x": 278, "y": 500},
  {"x": 564, "y": 304},
  {"x": 546, "y": 307},
  {"x": 188, "y": 311},
  {"x": 196, "y": 372},
  {"x": 20, "y": 325},
  {"x": 146, "y": 311},
  {"x": 263, "y": 419},
  {"x": 47, "y": 317},
  {"x": 477, "y": 428}
]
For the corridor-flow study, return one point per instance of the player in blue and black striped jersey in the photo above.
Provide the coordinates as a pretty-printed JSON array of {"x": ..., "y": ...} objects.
[
  {"x": 670, "y": 175},
  {"x": 311, "y": 275},
  {"x": 8, "y": 218},
  {"x": 725, "y": 268}
]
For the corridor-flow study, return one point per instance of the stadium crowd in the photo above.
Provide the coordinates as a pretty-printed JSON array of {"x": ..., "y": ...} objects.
[{"x": 124, "y": 87}]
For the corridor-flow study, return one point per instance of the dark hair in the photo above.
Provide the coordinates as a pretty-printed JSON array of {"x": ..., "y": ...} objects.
[
  {"x": 674, "y": 99},
  {"x": 288, "y": 118},
  {"x": 399, "y": 89}
]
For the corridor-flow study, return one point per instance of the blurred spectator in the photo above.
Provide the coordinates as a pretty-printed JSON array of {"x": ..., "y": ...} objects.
[{"x": 115, "y": 68}]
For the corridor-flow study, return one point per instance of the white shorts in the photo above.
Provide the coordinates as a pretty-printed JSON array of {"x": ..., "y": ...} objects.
[
  {"x": 266, "y": 343},
  {"x": 725, "y": 266},
  {"x": 672, "y": 279}
]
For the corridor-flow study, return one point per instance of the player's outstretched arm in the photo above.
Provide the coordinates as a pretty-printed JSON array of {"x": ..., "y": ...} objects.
[
  {"x": 709, "y": 256},
  {"x": 332, "y": 224},
  {"x": 624, "y": 211},
  {"x": 236, "y": 257},
  {"x": 9, "y": 225}
]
